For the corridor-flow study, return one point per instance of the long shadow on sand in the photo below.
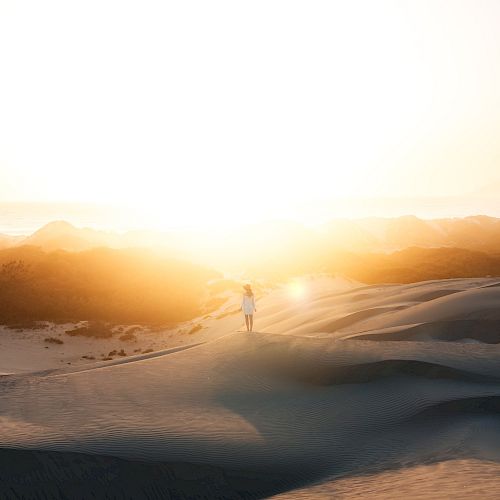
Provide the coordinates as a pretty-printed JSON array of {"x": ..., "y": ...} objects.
[
  {"x": 331, "y": 421},
  {"x": 318, "y": 412},
  {"x": 37, "y": 475}
]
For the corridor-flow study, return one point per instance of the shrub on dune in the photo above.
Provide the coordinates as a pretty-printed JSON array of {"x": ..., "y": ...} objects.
[
  {"x": 53, "y": 340},
  {"x": 103, "y": 284},
  {"x": 96, "y": 329},
  {"x": 196, "y": 328}
]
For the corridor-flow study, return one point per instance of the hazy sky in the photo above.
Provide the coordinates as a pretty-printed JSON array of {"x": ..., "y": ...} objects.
[{"x": 231, "y": 109}]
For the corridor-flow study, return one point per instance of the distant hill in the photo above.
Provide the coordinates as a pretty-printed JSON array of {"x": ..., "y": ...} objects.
[
  {"x": 7, "y": 241},
  {"x": 380, "y": 234},
  {"x": 277, "y": 249},
  {"x": 61, "y": 235},
  {"x": 417, "y": 264},
  {"x": 140, "y": 286},
  {"x": 369, "y": 234}
]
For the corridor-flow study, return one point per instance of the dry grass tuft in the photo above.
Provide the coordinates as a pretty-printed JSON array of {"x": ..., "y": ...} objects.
[
  {"x": 196, "y": 328},
  {"x": 53, "y": 340},
  {"x": 128, "y": 337},
  {"x": 95, "y": 329}
]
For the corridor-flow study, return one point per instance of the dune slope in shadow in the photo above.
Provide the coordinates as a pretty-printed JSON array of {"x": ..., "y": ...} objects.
[{"x": 249, "y": 415}]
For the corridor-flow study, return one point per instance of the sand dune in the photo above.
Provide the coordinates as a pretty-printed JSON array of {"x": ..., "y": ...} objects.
[
  {"x": 319, "y": 401},
  {"x": 466, "y": 330}
]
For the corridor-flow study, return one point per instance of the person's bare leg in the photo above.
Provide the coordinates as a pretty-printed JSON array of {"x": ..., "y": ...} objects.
[
  {"x": 247, "y": 322},
  {"x": 251, "y": 322}
]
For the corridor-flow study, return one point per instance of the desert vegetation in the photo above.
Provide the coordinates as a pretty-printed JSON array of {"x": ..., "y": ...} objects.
[
  {"x": 96, "y": 329},
  {"x": 418, "y": 264},
  {"x": 194, "y": 329},
  {"x": 116, "y": 352},
  {"x": 128, "y": 337},
  {"x": 129, "y": 334},
  {"x": 404, "y": 266},
  {"x": 53, "y": 340},
  {"x": 116, "y": 286},
  {"x": 108, "y": 287}
]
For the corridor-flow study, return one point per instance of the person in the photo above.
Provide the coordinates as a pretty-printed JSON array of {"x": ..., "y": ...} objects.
[{"x": 248, "y": 306}]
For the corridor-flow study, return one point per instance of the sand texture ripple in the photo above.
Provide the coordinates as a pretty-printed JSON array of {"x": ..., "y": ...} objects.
[{"x": 358, "y": 391}]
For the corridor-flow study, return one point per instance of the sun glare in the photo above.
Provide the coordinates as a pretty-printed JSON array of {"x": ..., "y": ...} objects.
[
  {"x": 297, "y": 290},
  {"x": 196, "y": 141},
  {"x": 232, "y": 128}
]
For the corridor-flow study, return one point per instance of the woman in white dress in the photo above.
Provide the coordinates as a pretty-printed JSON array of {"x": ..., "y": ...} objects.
[{"x": 248, "y": 307}]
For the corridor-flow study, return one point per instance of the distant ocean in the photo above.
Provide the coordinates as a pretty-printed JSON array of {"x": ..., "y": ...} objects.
[{"x": 26, "y": 218}]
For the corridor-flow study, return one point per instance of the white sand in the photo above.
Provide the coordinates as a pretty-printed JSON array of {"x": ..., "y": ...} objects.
[
  {"x": 27, "y": 351},
  {"x": 309, "y": 405}
]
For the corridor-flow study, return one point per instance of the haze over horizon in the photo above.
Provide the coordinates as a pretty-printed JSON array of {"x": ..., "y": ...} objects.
[
  {"x": 207, "y": 115},
  {"x": 24, "y": 218}
]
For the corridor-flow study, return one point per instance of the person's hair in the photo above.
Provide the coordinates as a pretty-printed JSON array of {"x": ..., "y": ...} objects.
[{"x": 248, "y": 290}]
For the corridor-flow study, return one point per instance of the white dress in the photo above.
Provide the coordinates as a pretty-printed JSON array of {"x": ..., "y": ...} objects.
[{"x": 248, "y": 304}]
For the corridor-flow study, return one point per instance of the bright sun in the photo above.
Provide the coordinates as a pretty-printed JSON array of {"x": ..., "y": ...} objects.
[
  {"x": 215, "y": 114},
  {"x": 297, "y": 290}
]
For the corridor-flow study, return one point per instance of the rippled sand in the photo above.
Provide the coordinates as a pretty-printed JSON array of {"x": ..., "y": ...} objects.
[{"x": 354, "y": 391}]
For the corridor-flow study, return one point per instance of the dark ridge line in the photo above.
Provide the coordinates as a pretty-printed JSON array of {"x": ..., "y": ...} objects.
[
  {"x": 358, "y": 316},
  {"x": 480, "y": 405},
  {"x": 486, "y": 331},
  {"x": 436, "y": 294},
  {"x": 104, "y": 364},
  {"x": 494, "y": 285},
  {"x": 371, "y": 372}
]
